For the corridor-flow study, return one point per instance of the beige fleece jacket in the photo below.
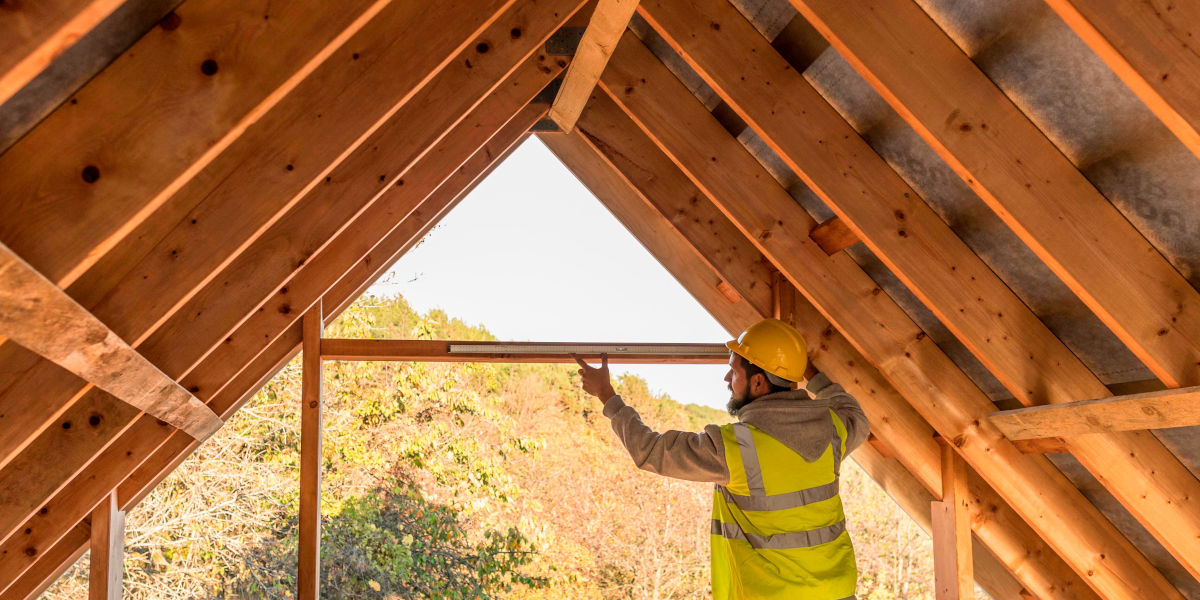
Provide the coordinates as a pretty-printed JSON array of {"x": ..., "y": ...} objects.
[{"x": 798, "y": 418}]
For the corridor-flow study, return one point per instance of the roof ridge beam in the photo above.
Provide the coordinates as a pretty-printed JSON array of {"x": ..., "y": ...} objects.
[
  {"x": 926, "y": 255},
  {"x": 1017, "y": 171},
  {"x": 957, "y": 409}
]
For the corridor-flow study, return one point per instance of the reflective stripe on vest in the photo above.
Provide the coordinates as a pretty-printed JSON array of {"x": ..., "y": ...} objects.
[
  {"x": 780, "y": 541},
  {"x": 781, "y": 501}
]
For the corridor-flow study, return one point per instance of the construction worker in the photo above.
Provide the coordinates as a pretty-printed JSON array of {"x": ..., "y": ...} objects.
[{"x": 778, "y": 530}]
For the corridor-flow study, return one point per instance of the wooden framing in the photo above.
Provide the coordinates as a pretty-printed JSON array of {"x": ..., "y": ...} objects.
[
  {"x": 884, "y": 334},
  {"x": 1152, "y": 50},
  {"x": 1151, "y": 410},
  {"x": 521, "y": 352},
  {"x": 49, "y": 476},
  {"x": 41, "y": 317},
  {"x": 108, "y": 550},
  {"x": 1057, "y": 212},
  {"x": 668, "y": 236},
  {"x": 601, "y": 36},
  {"x": 951, "y": 526},
  {"x": 34, "y": 34},
  {"x": 141, "y": 449},
  {"x": 308, "y": 568},
  {"x": 927, "y": 256}
]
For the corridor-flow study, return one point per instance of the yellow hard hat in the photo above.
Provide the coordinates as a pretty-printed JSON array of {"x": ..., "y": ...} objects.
[{"x": 774, "y": 346}]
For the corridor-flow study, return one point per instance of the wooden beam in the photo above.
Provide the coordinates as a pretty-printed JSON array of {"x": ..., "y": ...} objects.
[
  {"x": 141, "y": 450},
  {"x": 766, "y": 214},
  {"x": 108, "y": 551},
  {"x": 133, "y": 311},
  {"x": 1152, "y": 49},
  {"x": 953, "y": 579},
  {"x": 1002, "y": 155},
  {"x": 927, "y": 256},
  {"x": 41, "y": 317},
  {"x": 33, "y": 34},
  {"x": 599, "y": 39},
  {"x": 1152, "y": 410},
  {"x": 51, "y": 565},
  {"x": 1042, "y": 446},
  {"x": 144, "y": 142},
  {"x": 451, "y": 351},
  {"x": 880, "y": 446},
  {"x": 668, "y": 236},
  {"x": 308, "y": 566}
]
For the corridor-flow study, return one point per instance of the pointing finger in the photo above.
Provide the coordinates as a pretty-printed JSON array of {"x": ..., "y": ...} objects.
[{"x": 581, "y": 363}]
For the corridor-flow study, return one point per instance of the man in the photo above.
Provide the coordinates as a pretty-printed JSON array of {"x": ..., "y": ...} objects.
[{"x": 778, "y": 530}]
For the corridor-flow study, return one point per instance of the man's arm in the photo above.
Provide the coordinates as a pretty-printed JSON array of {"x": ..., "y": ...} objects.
[
  {"x": 843, "y": 405},
  {"x": 678, "y": 454}
]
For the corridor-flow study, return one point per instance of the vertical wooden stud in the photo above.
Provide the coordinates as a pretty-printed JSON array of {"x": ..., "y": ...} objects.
[
  {"x": 952, "y": 574},
  {"x": 108, "y": 550},
  {"x": 308, "y": 568}
]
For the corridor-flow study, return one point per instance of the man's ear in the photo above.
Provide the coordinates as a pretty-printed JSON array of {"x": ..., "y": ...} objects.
[{"x": 759, "y": 384}]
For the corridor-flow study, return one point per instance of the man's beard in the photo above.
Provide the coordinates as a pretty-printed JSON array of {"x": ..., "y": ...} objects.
[{"x": 736, "y": 404}]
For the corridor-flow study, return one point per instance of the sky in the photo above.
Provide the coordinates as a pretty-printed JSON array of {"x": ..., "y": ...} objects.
[{"x": 531, "y": 255}]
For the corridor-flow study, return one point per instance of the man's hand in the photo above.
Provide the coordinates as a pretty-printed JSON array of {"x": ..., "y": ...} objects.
[{"x": 596, "y": 381}]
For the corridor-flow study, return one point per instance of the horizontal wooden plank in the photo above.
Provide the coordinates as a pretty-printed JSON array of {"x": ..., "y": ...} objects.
[
  {"x": 522, "y": 352},
  {"x": 32, "y": 34},
  {"x": 1152, "y": 410},
  {"x": 38, "y": 315}
]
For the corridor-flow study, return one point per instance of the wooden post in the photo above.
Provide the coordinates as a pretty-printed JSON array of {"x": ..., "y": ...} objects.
[
  {"x": 108, "y": 550},
  {"x": 952, "y": 575},
  {"x": 308, "y": 568}
]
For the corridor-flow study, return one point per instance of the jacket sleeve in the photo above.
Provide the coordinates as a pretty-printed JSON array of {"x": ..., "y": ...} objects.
[
  {"x": 844, "y": 406},
  {"x": 678, "y": 454}
]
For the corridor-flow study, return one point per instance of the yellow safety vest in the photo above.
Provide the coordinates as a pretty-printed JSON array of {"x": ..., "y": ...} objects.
[{"x": 778, "y": 530}]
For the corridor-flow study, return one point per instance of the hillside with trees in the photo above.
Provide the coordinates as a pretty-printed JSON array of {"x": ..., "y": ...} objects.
[{"x": 455, "y": 481}]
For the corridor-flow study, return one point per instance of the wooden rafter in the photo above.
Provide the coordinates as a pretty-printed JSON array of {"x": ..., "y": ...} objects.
[
  {"x": 1027, "y": 181},
  {"x": 669, "y": 235},
  {"x": 1152, "y": 49},
  {"x": 522, "y": 352},
  {"x": 41, "y": 317},
  {"x": 52, "y": 475},
  {"x": 877, "y": 326},
  {"x": 927, "y": 256},
  {"x": 141, "y": 449},
  {"x": 1151, "y": 410},
  {"x": 33, "y": 34},
  {"x": 601, "y": 36}
]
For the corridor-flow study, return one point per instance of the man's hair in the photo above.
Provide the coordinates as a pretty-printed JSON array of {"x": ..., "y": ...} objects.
[{"x": 753, "y": 369}]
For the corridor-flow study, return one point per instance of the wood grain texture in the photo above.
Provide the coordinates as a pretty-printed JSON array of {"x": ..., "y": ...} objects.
[
  {"x": 33, "y": 34},
  {"x": 148, "y": 453},
  {"x": 953, "y": 579},
  {"x": 308, "y": 565},
  {"x": 1026, "y": 180},
  {"x": 833, "y": 235},
  {"x": 877, "y": 326},
  {"x": 599, "y": 39},
  {"x": 41, "y": 317},
  {"x": 1007, "y": 536},
  {"x": 1151, "y": 410},
  {"x": 1152, "y": 48},
  {"x": 108, "y": 551},
  {"x": 926, "y": 255}
]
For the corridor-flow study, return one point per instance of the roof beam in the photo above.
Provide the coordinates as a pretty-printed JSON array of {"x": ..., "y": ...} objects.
[
  {"x": 134, "y": 311},
  {"x": 1024, "y": 178},
  {"x": 1153, "y": 410},
  {"x": 1152, "y": 49},
  {"x": 105, "y": 160},
  {"x": 143, "y": 455},
  {"x": 926, "y": 255},
  {"x": 668, "y": 235},
  {"x": 34, "y": 33},
  {"x": 599, "y": 39},
  {"x": 38, "y": 315},
  {"x": 877, "y": 326}
]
